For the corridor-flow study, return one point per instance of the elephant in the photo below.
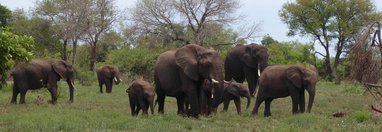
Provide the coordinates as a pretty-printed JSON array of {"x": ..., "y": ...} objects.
[
  {"x": 106, "y": 75},
  {"x": 278, "y": 81},
  {"x": 181, "y": 72},
  {"x": 232, "y": 91},
  {"x": 41, "y": 73},
  {"x": 141, "y": 96},
  {"x": 245, "y": 62}
]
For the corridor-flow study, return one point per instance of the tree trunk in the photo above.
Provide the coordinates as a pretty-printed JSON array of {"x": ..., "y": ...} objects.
[
  {"x": 64, "y": 55},
  {"x": 74, "y": 59},
  {"x": 328, "y": 68},
  {"x": 337, "y": 62},
  {"x": 93, "y": 58}
]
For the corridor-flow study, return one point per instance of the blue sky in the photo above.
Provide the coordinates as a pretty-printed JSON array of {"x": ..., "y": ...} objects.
[{"x": 262, "y": 11}]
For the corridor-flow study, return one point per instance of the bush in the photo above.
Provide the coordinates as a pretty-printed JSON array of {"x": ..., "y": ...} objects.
[
  {"x": 85, "y": 77},
  {"x": 362, "y": 116},
  {"x": 134, "y": 62}
]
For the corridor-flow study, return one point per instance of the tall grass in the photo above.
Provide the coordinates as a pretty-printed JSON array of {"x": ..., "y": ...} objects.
[{"x": 92, "y": 111}]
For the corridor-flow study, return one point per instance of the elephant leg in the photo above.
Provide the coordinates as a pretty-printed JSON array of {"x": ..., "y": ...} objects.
[
  {"x": 295, "y": 103},
  {"x": 143, "y": 105},
  {"x": 132, "y": 105},
  {"x": 237, "y": 104},
  {"x": 226, "y": 104},
  {"x": 137, "y": 109},
  {"x": 259, "y": 100},
  {"x": 181, "y": 105},
  {"x": 100, "y": 87},
  {"x": 194, "y": 102},
  {"x": 302, "y": 102},
  {"x": 108, "y": 84},
  {"x": 239, "y": 79},
  {"x": 14, "y": 94},
  {"x": 252, "y": 77},
  {"x": 160, "y": 100},
  {"x": 53, "y": 92},
  {"x": 22, "y": 96},
  {"x": 267, "y": 109}
]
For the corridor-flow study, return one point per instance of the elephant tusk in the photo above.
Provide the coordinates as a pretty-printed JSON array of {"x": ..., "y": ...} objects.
[
  {"x": 214, "y": 81},
  {"x": 227, "y": 81},
  {"x": 258, "y": 72},
  {"x": 115, "y": 79},
  {"x": 73, "y": 85}
]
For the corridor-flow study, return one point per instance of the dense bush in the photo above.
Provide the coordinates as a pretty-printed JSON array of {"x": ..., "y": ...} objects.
[
  {"x": 134, "y": 62},
  {"x": 85, "y": 77},
  {"x": 13, "y": 48}
]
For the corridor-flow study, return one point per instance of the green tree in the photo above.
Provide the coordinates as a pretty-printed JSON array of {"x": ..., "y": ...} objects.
[
  {"x": 13, "y": 48},
  {"x": 110, "y": 41},
  {"x": 5, "y": 15},
  {"x": 47, "y": 44},
  {"x": 292, "y": 52},
  {"x": 333, "y": 23}
]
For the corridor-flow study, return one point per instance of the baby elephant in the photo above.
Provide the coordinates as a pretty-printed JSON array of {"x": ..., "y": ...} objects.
[
  {"x": 141, "y": 96},
  {"x": 233, "y": 91}
]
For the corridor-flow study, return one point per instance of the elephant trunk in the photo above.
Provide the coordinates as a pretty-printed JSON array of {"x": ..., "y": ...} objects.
[
  {"x": 263, "y": 64},
  {"x": 248, "y": 100},
  {"x": 152, "y": 105},
  {"x": 312, "y": 93}
]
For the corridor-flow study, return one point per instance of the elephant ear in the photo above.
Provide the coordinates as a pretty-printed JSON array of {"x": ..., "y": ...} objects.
[
  {"x": 293, "y": 74},
  {"x": 233, "y": 90},
  {"x": 186, "y": 58},
  {"x": 60, "y": 68},
  {"x": 247, "y": 57}
]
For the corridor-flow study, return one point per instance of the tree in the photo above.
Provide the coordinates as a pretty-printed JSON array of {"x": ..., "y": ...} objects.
[
  {"x": 5, "y": 15},
  {"x": 13, "y": 48},
  {"x": 292, "y": 52},
  {"x": 185, "y": 21},
  {"x": 47, "y": 44},
  {"x": 68, "y": 16},
  {"x": 333, "y": 23},
  {"x": 103, "y": 15}
]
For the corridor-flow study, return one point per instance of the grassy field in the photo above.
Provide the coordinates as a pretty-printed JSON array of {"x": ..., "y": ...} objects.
[{"x": 92, "y": 111}]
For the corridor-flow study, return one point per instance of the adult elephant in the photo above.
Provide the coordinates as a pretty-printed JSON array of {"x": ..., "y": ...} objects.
[
  {"x": 279, "y": 81},
  {"x": 181, "y": 72},
  {"x": 41, "y": 73},
  {"x": 106, "y": 75},
  {"x": 244, "y": 62}
]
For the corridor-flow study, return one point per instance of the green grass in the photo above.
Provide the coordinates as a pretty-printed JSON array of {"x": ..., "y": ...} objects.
[{"x": 92, "y": 111}]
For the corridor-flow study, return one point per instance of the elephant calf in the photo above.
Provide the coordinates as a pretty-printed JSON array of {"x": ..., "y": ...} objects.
[
  {"x": 233, "y": 91},
  {"x": 141, "y": 96},
  {"x": 279, "y": 81}
]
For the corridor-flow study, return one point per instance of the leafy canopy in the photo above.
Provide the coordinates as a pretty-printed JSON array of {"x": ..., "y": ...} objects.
[{"x": 13, "y": 48}]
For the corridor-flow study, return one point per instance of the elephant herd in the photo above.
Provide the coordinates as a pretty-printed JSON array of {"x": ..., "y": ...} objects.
[{"x": 193, "y": 75}]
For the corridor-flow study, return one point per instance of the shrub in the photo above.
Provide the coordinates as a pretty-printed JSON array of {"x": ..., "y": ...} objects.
[
  {"x": 85, "y": 77},
  {"x": 362, "y": 116},
  {"x": 134, "y": 62}
]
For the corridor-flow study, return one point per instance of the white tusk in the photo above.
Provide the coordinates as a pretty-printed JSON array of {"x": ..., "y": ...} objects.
[
  {"x": 73, "y": 85},
  {"x": 115, "y": 79},
  {"x": 226, "y": 81},
  {"x": 214, "y": 81},
  {"x": 258, "y": 72},
  {"x": 120, "y": 80}
]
